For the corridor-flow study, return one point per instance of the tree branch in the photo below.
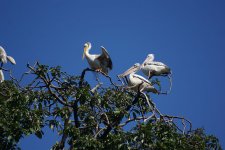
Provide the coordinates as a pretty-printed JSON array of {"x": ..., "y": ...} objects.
[
  {"x": 120, "y": 117},
  {"x": 64, "y": 136}
]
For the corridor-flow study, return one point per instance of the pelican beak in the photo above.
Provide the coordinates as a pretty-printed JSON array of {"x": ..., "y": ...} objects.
[
  {"x": 83, "y": 56},
  {"x": 84, "y": 52},
  {"x": 129, "y": 71}
]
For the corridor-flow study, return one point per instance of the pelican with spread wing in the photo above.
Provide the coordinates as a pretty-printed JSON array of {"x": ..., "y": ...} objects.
[
  {"x": 137, "y": 82},
  {"x": 153, "y": 68},
  {"x": 101, "y": 62},
  {"x": 4, "y": 57}
]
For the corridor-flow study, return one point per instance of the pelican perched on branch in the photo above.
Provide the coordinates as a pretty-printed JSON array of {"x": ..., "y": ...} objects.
[
  {"x": 101, "y": 62},
  {"x": 137, "y": 82},
  {"x": 153, "y": 68},
  {"x": 4, "y": 57}
]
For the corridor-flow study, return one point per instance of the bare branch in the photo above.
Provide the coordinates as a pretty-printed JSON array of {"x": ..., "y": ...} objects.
[
  {"x": 88, "y": 69},
  {"x": 130, "y": 120},
  {"x": 183, "y": 121}
]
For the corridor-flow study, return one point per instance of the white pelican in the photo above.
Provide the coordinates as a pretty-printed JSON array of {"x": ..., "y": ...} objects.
[
  {"x": 101, "y": 62},
  {"x": 4, "y": 57},
  {"x": 1, "y": 76},
  {"x": 139, "y": 83},
  {"x": 135, "y": 80},
  {"x": 153, "y": 68}
]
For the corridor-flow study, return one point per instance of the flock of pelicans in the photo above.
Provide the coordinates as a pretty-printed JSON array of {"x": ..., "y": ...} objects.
[{"x": 103, "y": 63}]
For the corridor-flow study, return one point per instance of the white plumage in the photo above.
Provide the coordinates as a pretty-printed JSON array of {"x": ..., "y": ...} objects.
[
  {"x": 101, "y": 62},
  {"x": 137, "y": 82},
  {"x": 153, "y": 68},
  {"x": 4, "y": 57}
]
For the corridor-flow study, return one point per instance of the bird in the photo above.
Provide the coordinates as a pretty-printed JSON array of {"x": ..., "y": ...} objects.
[
  {"x": 1, "y": 76},
  {"x": 4, "y": 57},
  {"x": 137, "y": 82},
  {"x": 153, "y": 68},
  {"x": 98, "y": 62}
]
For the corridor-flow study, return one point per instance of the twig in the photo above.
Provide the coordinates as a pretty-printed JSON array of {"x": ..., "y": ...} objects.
[
  {"x": 151, "y": 116},
  {"x": 150, "y": 106},
  {"x": 96, "y": 135},
  {"x": 88, "y": 69},
  {"x": 170, "y": 78},
  {"x": 107, "y": 119},
  {"x": 48, "y": 85},
  {"x": 131, "y": 119},
  {"x": 182, "y": 118},
  {"x": 93, "y": 90},
  {"x": 110, "y": 127}
]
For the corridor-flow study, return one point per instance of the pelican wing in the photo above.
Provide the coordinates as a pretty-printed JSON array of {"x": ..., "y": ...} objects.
[
  {"x": 3, "y": 55},
  {"x": 142, "y": 79},
  {"x": 105, "y": 59},
  {"x": 156, "y": 63},
  {"x": 11, "y": 59},
  {"x": 2, "y": 51}
]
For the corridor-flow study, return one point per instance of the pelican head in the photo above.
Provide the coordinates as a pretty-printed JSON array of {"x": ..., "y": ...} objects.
[
  {"x": 87, "y": 46},
  {"x": 132, "y": 69},
  {"x": 149, "y": 58}
]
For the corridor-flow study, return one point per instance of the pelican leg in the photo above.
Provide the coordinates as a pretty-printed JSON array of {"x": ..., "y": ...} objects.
[
  {"x": 149, "y": 74},
  {"x": 98, "y": 70}
]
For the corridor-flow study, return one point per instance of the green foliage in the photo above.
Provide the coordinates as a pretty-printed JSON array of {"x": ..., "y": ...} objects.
[
  {"x": 85, "y": 119},
  {"x": 19, "y": 113}
]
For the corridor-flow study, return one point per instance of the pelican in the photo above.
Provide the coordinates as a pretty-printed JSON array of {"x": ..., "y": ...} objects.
[
  {"x": 139, "y": 83},
  {"x": 1, "y": 76},
  {"x": 135, "y": 80},
  {"x": 4, "y": 57},
  {"x": 153, "y": 68},
  {"x": 101, "y": 62}
]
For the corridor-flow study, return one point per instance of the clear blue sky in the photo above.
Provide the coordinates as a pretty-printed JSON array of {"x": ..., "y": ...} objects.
[{"x": 187, "y": 35}]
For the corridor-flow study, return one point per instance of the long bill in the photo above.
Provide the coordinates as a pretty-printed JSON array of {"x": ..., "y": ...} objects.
[
  {"x": 84, "y": 52},
  {"x": 83, "y": 55},
  {"x": 129, "y": 71}
]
